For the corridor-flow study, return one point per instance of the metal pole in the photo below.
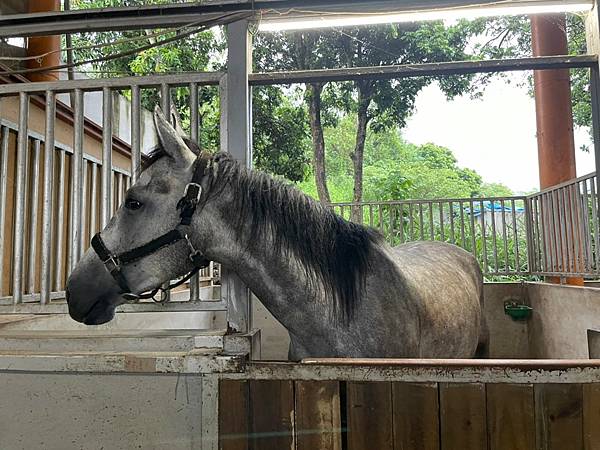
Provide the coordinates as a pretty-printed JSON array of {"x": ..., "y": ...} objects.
[
  {"x": 60, "y": 217},
  {"x": 135, "y": 133},
  {"x": 194, "y": 122},
  {"x": 106, "y": 187},
  {"x": 236, "y": 112},
  {"x": 77, "y": 180},
  {"x": 22, "y": 145},
  {"x": 3, "y": 196},
  {"x": 46, "y": 263},
  {"x": 94, "y": 201},
  {"x": 84, "y": 208},
  {"x": 33, "y": 221}
]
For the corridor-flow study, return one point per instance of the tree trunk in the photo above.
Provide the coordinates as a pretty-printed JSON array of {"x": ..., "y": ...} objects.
[
  {"x": 316, "y": 131},
  {"x": 364, "y": 100}
]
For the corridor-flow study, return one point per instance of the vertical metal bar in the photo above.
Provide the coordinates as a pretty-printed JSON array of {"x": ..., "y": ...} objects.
[
  {"x": 555, "y": 231},
  {"x": 586, "y": 224},
  {"x": 462, "y": 225},
  {"x": 371, "y": 215},
  {"x": 494, "y": 240},
  {"x": 194, "y": 116},
  {"x": 442, "y": 234},
  {"x": 392, "y": 230},
  {"x": 528, "y": 203},
  {"x": 135, "y": 132},
  {"x": 575, "y": 228},
  {"x": 106, "y": 178},
  {"x": 3, "y": 197},
  {"x": 504, "y": 234},
  {"x": 539, "y": 229},
  {"x": 94, "y": 201},
  {"x": 451, "y": 212},
  {"x": 515, "y": 234},
  {"x": 594, "y": 206},
  {"x": 563, "y": 246},
  {"x": 194, "y": 124},
  {"x": 411, "y": 222},
  {"x": 545, "y": 243},
  {"x": 22, "y": 145},
  {"x": 401, "y": 221},
  {"x": 165, "y": 99},
  {"x": 119, "y": 188},
  {"x": 473, "y": 231},
  {"x": 77, "y": 180},
  {"x": 84, "y": 207},
  {"x": 60, "y": 217},
  {"x": 33, "y": 221},
  {"x": 595, "y": 97},
  {"x": 431, "y": 226},
  {"x": 47, "y": 210},
  {"x": 421, "y": 221},
  {"x": 483, "y": 242},
  {"x": 237, "y": 114},
  {"x": 380, "y": 214}
]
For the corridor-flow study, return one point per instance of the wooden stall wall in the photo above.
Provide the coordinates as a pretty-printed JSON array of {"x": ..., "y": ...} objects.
[{"x": 332, "y": 415}]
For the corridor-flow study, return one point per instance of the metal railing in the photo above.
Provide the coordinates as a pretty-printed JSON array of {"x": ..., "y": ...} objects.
[
  {"x": 494, "y": 230},
  {"x": 555, "y": 232},
  {"x": 564, "y": 229},
  {"x": 54, "y": 196}
]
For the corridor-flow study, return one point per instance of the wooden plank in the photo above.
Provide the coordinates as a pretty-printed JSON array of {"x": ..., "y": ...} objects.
[
  {"x": 318, "y": 418},
  {"x": 558, "y": 414},
  {"x": 591, "y": 416},
  {"x": 463, "y": 416},
  {"x": 233, "y": 415},
  {"x": 369, "y": 410},
  {"x": 416, "y": 416},
  {"x": 272, "y": 415},
  {"x": 511, "y": 416}
]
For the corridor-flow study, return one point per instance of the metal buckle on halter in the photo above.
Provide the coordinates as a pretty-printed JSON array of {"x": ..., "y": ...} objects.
[
  {"x": 193, "y": 252},
  {"x": 195, "y": 197},
  {"x": 112, "y": 264}
]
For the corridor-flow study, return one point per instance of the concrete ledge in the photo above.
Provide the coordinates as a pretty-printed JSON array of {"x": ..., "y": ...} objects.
[{"x": 193, "y": 362}]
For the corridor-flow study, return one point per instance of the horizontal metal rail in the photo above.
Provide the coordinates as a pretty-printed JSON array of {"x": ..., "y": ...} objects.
[
  {"x": 423, "y": 70},
  {"x": 123, "y": 83}
]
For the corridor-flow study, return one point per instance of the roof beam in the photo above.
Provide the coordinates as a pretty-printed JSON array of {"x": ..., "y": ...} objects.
[{"x": 176, "y": 15}]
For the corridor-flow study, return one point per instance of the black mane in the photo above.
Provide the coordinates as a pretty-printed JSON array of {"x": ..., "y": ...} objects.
[{"x": 333, "y": 252}]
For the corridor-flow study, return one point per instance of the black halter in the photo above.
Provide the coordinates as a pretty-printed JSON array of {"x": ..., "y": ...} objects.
[{"x": 187, "y": 206}]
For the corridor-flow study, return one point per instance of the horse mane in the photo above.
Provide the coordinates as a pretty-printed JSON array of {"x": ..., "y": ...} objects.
[{"x": 333, "y": 252}]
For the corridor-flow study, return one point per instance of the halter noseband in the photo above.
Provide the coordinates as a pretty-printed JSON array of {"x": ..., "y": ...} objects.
[{"x": 188, "y": 205}]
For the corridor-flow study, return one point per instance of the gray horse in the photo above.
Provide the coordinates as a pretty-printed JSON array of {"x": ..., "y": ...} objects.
[{"x": 337, "y": 287}]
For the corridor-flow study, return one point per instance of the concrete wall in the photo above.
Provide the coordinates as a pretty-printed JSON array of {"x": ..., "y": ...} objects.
[
  {"x": 561, "y": 317},
  {"x": 94, "y": 411}
]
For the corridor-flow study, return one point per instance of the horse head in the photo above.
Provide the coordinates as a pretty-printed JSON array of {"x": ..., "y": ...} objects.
[{"x": 109, "y": 273}]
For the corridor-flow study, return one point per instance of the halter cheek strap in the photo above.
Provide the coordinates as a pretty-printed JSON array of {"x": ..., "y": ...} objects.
[{"x": 188, "y": 204}]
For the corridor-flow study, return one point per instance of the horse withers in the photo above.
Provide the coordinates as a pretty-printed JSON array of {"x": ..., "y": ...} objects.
[{"x": 338, "y": 287}]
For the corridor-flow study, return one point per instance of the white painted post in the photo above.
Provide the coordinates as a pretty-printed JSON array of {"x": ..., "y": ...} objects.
[{"x": 236, "y": 132}]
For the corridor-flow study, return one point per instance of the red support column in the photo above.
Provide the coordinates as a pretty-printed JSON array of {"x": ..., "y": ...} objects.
[
  {"x": 40, "y": 45},
  {"x": 554, "y": 117}
]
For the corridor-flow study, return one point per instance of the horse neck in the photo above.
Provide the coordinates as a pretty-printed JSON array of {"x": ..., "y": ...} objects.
[{"x": 275, "y": 277}]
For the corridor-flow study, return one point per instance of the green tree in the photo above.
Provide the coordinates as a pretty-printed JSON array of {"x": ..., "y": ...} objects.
[
  {"x": 279, "y": 133},
  {"x": 377, "y": 104}
]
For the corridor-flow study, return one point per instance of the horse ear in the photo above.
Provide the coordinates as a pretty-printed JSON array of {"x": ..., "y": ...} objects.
[
  {"x": 171, "y": 141},
  {"x": 176, "y": 121}
]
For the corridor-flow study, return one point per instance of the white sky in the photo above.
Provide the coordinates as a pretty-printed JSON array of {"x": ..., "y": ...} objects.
[{"x": 494, "y": 135}]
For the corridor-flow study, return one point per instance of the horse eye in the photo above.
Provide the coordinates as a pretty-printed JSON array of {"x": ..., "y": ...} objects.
[{"x": 132, "y": 204}]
